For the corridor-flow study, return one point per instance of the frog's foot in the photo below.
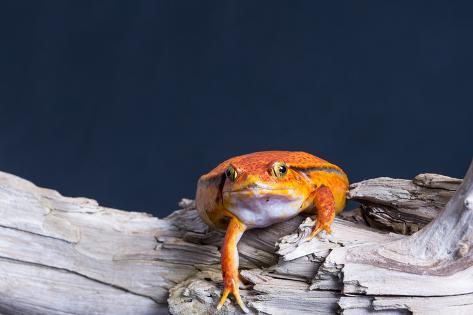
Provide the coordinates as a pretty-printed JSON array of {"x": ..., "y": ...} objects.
[
  {"x": 319, "y": 227},
  {"x": 231, "y": 286},
  {"x": 325, "y": 205}
]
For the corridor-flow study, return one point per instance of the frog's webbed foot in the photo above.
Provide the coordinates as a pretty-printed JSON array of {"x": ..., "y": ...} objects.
[
  {"x": 231, "y": 278},
  {"x": 325, "y": 205}
]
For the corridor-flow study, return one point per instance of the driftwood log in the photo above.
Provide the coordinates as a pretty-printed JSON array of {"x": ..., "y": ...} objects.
[{"x": 61, "y": 255}]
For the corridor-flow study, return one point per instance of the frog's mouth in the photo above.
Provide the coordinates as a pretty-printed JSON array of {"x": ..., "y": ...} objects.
[{"x": 262, "y": 207}]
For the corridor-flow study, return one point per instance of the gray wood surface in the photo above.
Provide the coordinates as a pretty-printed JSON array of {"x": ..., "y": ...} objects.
[{"x": 61, "y": 255}]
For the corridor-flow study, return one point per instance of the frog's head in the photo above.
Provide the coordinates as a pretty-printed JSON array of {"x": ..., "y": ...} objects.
[{"x": 261, "y": 192}]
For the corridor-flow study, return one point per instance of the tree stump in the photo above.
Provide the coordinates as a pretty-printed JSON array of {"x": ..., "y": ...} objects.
[{"x": 61, "y": 255}]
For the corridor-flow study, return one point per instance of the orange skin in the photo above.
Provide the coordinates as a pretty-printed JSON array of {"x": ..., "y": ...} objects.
[{"x": 262, "y": 188}]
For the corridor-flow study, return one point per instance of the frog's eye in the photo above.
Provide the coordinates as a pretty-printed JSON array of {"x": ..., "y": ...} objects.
[
  {"x": 279, "y": 169},
  {"x": 231, "y": 173}
]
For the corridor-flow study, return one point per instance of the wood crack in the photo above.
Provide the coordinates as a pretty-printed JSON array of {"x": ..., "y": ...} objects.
[
  {"x": 78, "y": 274},
  {"x": 34, "y": 233}
]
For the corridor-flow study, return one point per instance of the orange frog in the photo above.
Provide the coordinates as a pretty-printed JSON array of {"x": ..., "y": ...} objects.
[{"x": 262, "y": 188}]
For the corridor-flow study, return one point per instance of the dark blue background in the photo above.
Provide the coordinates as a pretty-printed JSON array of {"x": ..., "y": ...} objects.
[{"x": 129, "y": 103}]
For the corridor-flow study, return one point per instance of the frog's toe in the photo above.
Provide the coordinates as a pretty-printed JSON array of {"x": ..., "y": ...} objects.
[
  {"x": 223, "y": 298},
  {"x": 311, "y": 236},
  {"x": 314, "y": 232},
  {"x": 240, "y": 303},
  {"x": 236, "y": 293},
  {"x": 319, "y": 228}
]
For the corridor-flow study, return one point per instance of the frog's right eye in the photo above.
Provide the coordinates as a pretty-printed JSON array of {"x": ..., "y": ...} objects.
[
  {"x": 279, "y": 169},
  {"x": 231, "y": 173}
]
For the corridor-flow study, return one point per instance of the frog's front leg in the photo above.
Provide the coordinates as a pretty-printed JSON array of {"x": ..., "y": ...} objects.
[
  {"x": 324, "y": 203},
  {"x": 229, "y": 262}
]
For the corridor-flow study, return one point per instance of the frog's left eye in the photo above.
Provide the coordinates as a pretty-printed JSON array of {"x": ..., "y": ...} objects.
[
  {"x": 279, "y": 169},
  {"x": 231, "y": 173}
]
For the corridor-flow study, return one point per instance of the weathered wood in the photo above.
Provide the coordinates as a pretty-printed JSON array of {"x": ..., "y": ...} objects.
[
  {"x": 400, "y": 205},
  {"x": 64, "y": 255},
  {"x": 441, "y": 249},
  {"x": 433, "y": 266},
  {"x": 61, "y": 255},
  {"x": 268, "y": 295},
  {"x": 360, "y": 304}
]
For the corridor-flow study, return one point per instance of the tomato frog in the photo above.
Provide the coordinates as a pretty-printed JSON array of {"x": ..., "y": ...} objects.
[{"x": 262, "y": 188}]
